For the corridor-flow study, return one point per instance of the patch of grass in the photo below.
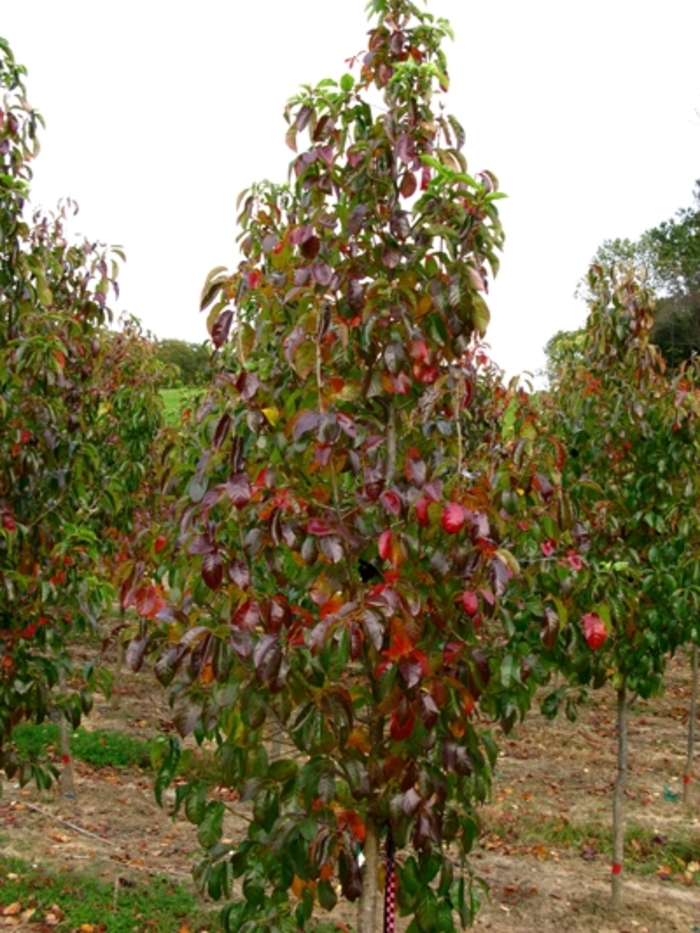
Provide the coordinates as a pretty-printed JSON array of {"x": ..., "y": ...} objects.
[
  {"x": 174, "y": 400},
  {"x": 114, "y": 750},
  {"x": 101, "y": 749},
  {"x": 154, "y": 904},
  {"x": 646, "y": 851}
]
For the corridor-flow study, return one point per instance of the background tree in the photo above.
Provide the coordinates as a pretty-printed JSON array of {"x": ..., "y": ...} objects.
[
  {"x": 631, "y": 436},
  {"x": 190, "y": 361},
  {"x": 68, "y": 442},
  {"x": 667, "y": 257}
]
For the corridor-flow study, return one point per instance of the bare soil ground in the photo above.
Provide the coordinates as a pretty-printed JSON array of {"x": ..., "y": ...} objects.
[{"x": 550, "y": 775}]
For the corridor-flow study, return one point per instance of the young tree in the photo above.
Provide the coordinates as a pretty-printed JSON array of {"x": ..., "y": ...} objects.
[
  {"x": 631, "y": 471},
  {"x": 344, "y": 504},
  {"x": 69, "y": 460}
]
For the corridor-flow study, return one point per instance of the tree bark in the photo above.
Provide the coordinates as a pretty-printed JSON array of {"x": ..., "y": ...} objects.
[
  {"x": 692, "y": 724},
  {"x": 67, "y": 779},
  {"x": 115, "y": 700},
  {"x": 619, "y": 800},
  {"x": 368, "y": 913}
]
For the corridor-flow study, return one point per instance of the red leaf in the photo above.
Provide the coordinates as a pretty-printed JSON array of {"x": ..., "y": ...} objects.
[
  {"x": 422, "y": 511},
  {"x": 594, "y": 630},
  {"x": 391, "y": 501},
  {"x": 452, "y": 651},
  {"x": 318, "y": 527},
  {"x": 402, "y": 723},
  {"x": 470, "y": 602},
  {"x": 385, "y": 539},
  {"x": 247, "y": 616},
  {"x": 146, "y": 597},
  {"x": 280, "y": 613},
  {"x": 161, "y": 541},
  {"x": 453, "y": 518}
]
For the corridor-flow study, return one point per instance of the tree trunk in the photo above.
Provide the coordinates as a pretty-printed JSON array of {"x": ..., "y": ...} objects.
[
  {"x": 619, "y": 800},
  {"x": 115, "y": 700},
  {"x": 692, "y": 722},
  {"x": 67, "y": 780},
  {"x": 368, "y": 913}
]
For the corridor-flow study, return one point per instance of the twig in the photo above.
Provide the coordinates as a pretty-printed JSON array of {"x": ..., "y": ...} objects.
[{"x": 78, "y": 829}]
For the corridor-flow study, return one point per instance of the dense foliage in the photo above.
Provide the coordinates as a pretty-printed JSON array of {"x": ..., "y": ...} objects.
[
  {"x": 347, "y": 504},
  {"x": 630, "y": 431},
  {"x": 78, "y": 412}
]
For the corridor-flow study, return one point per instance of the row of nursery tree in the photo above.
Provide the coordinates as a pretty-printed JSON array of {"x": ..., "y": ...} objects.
[{"x": 363, "y": 542}]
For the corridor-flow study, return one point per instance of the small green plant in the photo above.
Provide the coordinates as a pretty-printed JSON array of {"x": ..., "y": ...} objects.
[
  {"x": 158, "y": 905},
  {"x": 101, "y": 749}
]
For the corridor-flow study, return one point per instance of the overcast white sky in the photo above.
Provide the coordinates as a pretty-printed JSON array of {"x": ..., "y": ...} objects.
[{"x": 158, "y": 114}]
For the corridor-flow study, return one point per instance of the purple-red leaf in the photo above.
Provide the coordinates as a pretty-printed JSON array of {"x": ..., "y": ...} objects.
[
  {"x": 247, "y": 616},
  {"x": 239, "y": 571},
  {"x": 239, "y": 490},
  {"x": 411, "y": 671},
  {"x": 499, "y": 576},
  {"x": 212, "y": 570},
  {"x": 322, "y": 273},
  {"x": 391, "y": 501},
  {"x": 332, "y": 547},
  {"x": 247, "y": 384},
  {"x": 310, "y": 247},
  {"x": 427, "y": 710},
  {"x": 222, "y": 429},
  {"x": 222, "y": 328},
  {"x": 306, "y": 421},
  {"x": 267, "y": 656}
]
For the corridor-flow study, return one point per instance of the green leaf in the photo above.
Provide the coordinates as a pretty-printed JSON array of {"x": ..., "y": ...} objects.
[
  {"x": 209, "y": 831},
  {"x": 195, "y": 803}
]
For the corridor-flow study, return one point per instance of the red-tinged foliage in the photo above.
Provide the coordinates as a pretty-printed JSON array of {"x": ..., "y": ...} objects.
[
  {"x": 372, "y": 469},
  {"x": 76, "y": 421},
  {"x": 594, "y": 630},
  {"x": 631, "y": 429},
  {"x": 470, "y": 602},
  {"x": 453, "y": 518}
]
